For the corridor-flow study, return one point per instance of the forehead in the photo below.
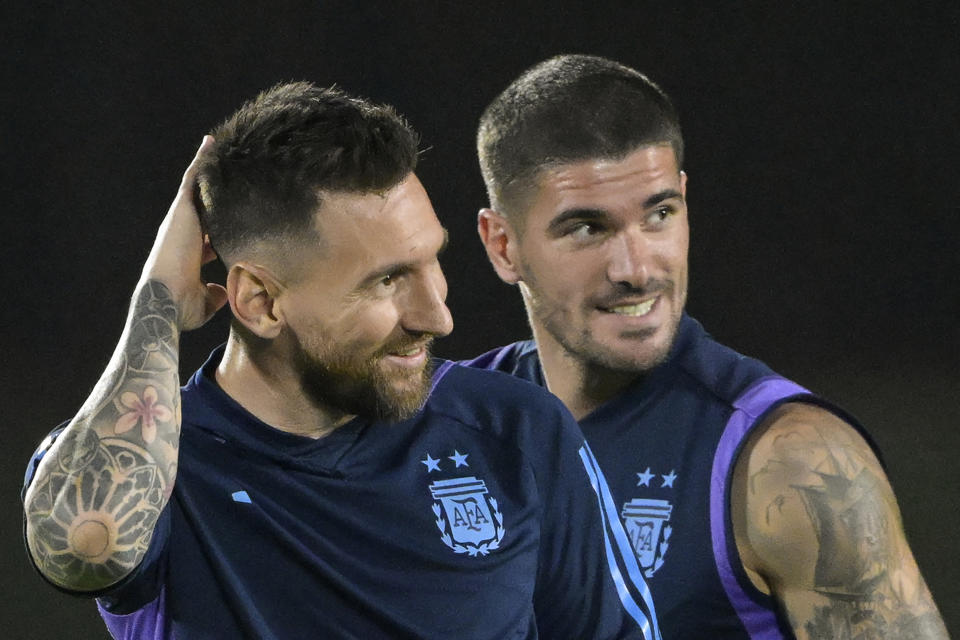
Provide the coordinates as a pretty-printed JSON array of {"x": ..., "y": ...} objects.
[
  {"x": 595, "y": 181},
  {"x": 360, "y": 233}
]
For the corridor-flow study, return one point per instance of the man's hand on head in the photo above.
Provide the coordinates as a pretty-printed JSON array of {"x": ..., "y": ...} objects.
[{"x": 179, "y": 252}]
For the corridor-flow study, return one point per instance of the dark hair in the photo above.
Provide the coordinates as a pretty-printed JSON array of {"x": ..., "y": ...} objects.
[
  {"x": 566, "y": 109},
  {"x": 263, "y": 178}
]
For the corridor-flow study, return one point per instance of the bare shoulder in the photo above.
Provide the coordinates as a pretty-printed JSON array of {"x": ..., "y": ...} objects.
[
  {"x": 817, "y": 525},
  {"x": 814, "y": 456}
]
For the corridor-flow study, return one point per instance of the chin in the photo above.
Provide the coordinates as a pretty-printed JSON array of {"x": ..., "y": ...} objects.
[
  {"x": 631, "y": 355},
  {"x": 404, "y": 398},
  {"x": 629, "y": 363}
]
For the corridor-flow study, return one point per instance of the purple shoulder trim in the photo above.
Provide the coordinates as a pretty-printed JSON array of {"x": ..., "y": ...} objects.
[
  {"x": 146, "y": 623},
  {"x": 441, "y": 371},
  {"x": 759, "y": 621}
]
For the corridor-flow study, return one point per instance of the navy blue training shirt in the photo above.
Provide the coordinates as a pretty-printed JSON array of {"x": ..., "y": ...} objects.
[
  {"x": 668, "y": 444},
  {"x": 483, "y": 516}
]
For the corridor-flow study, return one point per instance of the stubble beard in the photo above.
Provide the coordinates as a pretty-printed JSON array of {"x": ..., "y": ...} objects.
[
  {"x": 333, "y": 377},
  {"x": 595, "y": 358}
]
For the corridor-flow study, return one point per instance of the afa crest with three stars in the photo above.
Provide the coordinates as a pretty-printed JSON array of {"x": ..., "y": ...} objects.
[
  {"x": 647, "y": 521},
  {"x": 468, "y": 517}
]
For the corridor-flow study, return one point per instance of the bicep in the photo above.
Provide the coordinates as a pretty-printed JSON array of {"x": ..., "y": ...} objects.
[{"x": 820, "y": 524}]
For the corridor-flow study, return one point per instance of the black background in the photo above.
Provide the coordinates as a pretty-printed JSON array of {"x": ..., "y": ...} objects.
[{"x": 822, "y": 152}]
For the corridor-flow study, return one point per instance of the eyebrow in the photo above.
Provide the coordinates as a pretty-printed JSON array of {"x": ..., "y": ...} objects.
[
  {"x": 589, "y": 213},
  {"x": 400, "y": 267},
  {"x": 660, "y": 196},
  {"x": 579, "y": 213}
]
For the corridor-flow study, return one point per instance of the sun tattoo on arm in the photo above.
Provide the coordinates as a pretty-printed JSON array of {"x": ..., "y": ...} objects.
[{"x": 97, "y": 495}]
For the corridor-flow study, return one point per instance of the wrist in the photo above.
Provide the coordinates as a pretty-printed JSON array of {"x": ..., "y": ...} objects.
[{"x": 154, "y": 298}]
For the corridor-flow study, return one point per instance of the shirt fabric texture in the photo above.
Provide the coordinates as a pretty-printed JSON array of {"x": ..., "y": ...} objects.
[
  {"x": 479, "y": 517},
  {"x": 667, "y": 445}
]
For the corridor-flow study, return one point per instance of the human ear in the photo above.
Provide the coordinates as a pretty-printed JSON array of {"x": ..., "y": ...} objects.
[
  {"x": 500, "y": 241},
  {"x": 252, "y": 292}
]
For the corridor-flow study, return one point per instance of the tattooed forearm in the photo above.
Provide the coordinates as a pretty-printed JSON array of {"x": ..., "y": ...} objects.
[
  {"x": 827, "y": 528},
  {"x": 93, "y": 513},
  {"x": 95, "y": 499}
]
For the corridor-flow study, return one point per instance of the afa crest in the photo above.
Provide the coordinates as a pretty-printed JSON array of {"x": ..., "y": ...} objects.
[
  {"x": 645, "y": 521},
  {"x": 467, "y": 516}
]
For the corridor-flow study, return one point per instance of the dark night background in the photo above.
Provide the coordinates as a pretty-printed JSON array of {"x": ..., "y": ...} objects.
[{"x": 822, "y": 151}]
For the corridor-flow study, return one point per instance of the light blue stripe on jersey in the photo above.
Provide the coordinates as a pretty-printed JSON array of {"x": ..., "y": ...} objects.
[{"x": 612, "y": 524}]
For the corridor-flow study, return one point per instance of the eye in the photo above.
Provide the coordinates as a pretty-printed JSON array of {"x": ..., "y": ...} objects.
[
  {"x": 387, "y": 282},
  {"x": 660, "y": 214},
  {"x": 584, "y": 230}
]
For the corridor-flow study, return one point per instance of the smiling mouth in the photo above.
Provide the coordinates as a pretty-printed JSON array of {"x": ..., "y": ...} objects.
[
  {"x": 408, "y": 349},
  {"x": 412, "y": 351},
  {"x": 633, "y": 310}
]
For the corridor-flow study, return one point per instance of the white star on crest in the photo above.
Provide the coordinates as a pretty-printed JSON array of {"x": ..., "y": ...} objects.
[
  {"x": 432, "y": 463},
  {"x": 668, "y": 479},
  {"x": 645, "y": 478},
  {"x": 459, "y": 458}
]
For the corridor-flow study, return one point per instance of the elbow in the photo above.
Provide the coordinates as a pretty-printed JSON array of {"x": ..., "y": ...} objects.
[{"x": 83, "y": 556}]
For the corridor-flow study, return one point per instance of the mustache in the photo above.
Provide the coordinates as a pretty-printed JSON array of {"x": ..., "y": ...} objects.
[{"x": 622, "y": 292}]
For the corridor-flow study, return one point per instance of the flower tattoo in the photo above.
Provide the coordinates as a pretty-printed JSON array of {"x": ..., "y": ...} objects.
[{"x": 142, "y": 409}]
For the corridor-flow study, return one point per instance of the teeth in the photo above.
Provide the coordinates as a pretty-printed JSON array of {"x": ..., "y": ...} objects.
[
  {"x": 641, "y": 309},
  {"x": 410, "y": 352}
]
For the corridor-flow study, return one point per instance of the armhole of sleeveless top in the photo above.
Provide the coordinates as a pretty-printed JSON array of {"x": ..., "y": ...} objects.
[{"x": 756, "y": 610}]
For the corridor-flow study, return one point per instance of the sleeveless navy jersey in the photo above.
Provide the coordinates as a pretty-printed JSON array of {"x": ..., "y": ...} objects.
[
  {"x": 480, "y": 517},
  {"x": 667, "y": 446}
]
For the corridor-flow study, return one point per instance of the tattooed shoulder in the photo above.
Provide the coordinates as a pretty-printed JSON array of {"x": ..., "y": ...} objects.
[{"x": 822, "y": 525}]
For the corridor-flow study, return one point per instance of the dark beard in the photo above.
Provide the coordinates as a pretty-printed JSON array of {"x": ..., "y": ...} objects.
[{"x": 359, "y": 387}]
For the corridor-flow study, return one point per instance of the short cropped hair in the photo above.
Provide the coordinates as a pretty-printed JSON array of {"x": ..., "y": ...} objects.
[
  {"x": 264, "y": 178},
  {"x": 568, "y": 109}
]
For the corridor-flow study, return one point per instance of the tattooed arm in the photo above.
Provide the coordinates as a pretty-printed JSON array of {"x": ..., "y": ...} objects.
[
  {"x": 97, "y": 493},
  {"x": 818, "y": 527}
]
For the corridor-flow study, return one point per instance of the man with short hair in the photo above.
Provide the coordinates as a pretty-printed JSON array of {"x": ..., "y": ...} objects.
[
  {"x": 755, "y": 509},
  {"x": 317, "y": 478}
]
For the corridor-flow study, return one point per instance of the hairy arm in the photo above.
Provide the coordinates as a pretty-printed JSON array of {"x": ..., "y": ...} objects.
[
  {"x": 99, "y": 490},
  {"x": 818, "y": 526}
]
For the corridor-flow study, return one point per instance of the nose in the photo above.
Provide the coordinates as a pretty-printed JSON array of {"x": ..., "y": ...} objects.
[
  {"x": 427, "y": 311},
  {"x": 629, "y": 260}
]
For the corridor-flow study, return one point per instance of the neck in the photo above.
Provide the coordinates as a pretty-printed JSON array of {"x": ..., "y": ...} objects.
[
  {"x": 581, "y": 386},
  {"x": 261, "y": 380}
]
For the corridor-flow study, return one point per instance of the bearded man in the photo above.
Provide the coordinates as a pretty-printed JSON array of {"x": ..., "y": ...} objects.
[{"x": 319, "y": 476}]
